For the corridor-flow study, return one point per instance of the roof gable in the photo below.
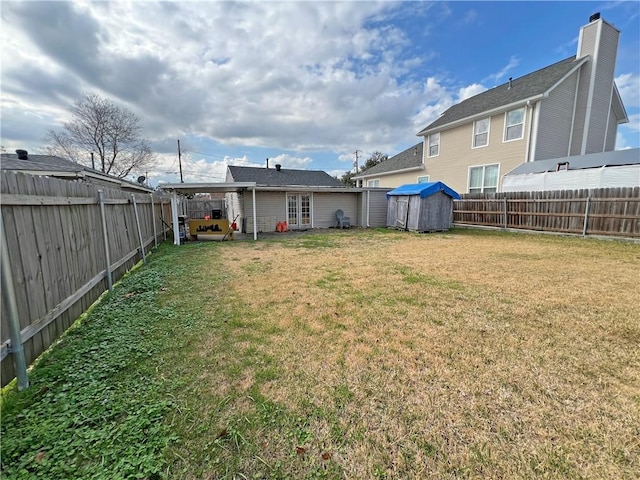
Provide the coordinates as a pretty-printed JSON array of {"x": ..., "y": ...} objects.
[
  {"x": 521, "y": 89},
  {"x": 283, "y": 177},
  {"x": 409, "y": 158}
]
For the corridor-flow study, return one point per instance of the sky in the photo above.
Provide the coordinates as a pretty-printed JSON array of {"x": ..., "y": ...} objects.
[{"x": 305, "y": 84}]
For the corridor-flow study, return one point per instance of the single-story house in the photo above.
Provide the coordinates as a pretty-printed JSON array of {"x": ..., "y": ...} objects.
[
  {"x": 620, "y": 168},
  {"x": 569, "y": 108},
  {"x": 257, "y": 199},
  {"x": 58, "y": 167}
]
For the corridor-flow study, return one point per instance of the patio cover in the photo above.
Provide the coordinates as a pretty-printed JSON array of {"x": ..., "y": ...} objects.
[
  {"x": 193, "y": 188},
  {"x": 424, "y": 190}
]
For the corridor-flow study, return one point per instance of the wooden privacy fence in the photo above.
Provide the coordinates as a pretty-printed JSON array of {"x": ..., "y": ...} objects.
[
  {"x": 59, "y": 260},
  {"x": 606, "y": 211}
]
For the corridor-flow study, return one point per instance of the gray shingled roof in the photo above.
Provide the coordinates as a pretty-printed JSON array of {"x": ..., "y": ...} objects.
[
  {"x": 593, "y": 160},
  {"x": 409, "y": 158},
  {"x": 52, "y": 164},
  {"x": 274, "y": 178},
  {"x": 41, "y": 163},
  {"x": 522, "y": 88}
]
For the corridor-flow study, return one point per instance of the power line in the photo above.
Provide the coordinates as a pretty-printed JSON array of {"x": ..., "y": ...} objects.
[{"x": 206, "y": 154}]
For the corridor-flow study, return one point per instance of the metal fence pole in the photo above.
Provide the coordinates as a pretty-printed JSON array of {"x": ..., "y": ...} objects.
[
  {"x": 105, "y": 236},
  {"x": 135, "y": 210},
  {"x": 9, "y": 297},
  {"x": 153, "y": 220}
]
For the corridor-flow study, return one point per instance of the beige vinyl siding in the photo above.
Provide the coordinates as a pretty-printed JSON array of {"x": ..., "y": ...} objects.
[
  {"x": 396, "y": 179},
  {"x": 554, "y": 125},
  {"x": 456, "y": 155}
]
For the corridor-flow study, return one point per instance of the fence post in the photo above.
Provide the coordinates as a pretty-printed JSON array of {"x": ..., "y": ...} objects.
[
  {"x": 586, "y": 216},
  {"x": 105, "y": 236},
  {"x": 505, "y": 213},
  {"x": 153, "y": 220},
  {"x": 135, "y": 210},
  {"x": 162, "y": 225},
  {"x": 9, "y": 297}
]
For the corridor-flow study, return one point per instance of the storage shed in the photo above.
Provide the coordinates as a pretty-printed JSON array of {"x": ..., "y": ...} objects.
[{"x": 421, "y": 207}]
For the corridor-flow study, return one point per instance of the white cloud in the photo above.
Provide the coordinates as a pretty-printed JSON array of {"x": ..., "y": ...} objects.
[
  {"x": 498, "y": 76},
  {"x": 237, "y": 73},
  {"x": 629, "y": 88},
  {"x": 469, "y": 91}
]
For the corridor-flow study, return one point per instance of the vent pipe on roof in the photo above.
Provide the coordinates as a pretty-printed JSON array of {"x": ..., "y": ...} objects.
[
  {"x": 22, "y": 154},
  {"x": 510, "y": 82},
  {"x": 278, "y": 167},
  {"x": 594, "y": 17},
  {"x": 267, "y": 163}
]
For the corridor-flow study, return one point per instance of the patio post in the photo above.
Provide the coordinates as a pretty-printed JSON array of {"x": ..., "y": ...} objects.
[
  {"x": 255, "y": 218},
  {"x": 174, "y": 215}
]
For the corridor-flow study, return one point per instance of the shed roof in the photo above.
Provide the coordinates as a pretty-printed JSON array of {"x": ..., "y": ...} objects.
[
  {"x": 283, "y": 177},
  {"x": 423, "y": 189}
]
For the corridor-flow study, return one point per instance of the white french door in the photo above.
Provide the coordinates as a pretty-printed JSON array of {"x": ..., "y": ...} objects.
[{"x": 298, "y": 210}]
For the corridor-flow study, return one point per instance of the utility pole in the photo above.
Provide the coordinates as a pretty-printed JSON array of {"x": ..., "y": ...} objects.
[
  {"x": 356, "y": 154},
  {"x": 180, "y": 162}
]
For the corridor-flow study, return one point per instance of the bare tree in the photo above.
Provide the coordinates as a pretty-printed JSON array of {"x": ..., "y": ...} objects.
[{"x": 102, "y": 127}]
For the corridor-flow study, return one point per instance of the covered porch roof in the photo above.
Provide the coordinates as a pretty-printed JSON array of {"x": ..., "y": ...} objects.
[{"x": 213, "y": 187}]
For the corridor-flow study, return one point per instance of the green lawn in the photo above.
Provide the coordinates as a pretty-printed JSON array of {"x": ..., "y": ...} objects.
[{"x": 346, "y": 354}]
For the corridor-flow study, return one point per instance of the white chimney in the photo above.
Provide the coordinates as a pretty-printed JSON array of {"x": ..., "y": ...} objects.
[{"x": 599, "y": 40}]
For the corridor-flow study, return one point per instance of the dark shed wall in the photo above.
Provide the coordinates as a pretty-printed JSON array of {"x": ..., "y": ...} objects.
[
  {"x": 410, "y": 212},
  {"x": 435, "y": 213}
]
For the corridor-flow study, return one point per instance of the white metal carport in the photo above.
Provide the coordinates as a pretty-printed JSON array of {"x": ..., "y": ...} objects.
[{"x": 193, "y": 188}]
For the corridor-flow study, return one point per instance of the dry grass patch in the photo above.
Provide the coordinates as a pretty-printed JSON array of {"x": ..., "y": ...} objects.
[{"x": 468, "y": 354}]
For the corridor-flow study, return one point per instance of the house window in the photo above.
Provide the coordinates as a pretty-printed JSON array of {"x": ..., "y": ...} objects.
[
  {"x": 483, "y": 179},
  {"x": 481, "y": 133},
  {"x": 373, "y": 183},
  {"x": 434, "y": 145},
  {"x": 423, "y": 179},
  {"x": 514, "y": 125}
]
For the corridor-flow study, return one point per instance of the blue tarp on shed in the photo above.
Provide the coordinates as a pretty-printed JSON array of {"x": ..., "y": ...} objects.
[{"x": 424, "y": 190}]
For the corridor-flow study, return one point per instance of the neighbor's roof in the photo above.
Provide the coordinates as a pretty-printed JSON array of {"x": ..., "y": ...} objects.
[
  {"x": 284, "y": 177},
  {"x": 411, "y": 158},
  {"x": 423, "y": 189},
  {"x": 61, "y": 167},
  {"x": 39, "y": 163},
  {"x": 593, "y": 160},
  {"x": 523, "y": 88}
]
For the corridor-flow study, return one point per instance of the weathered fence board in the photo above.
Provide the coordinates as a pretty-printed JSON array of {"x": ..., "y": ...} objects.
[
  {"x": 57, "y": 253},
  {"x": 607, "y": 211}
]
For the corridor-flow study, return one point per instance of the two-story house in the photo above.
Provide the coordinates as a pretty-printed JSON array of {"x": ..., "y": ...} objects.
[{"x": 566, "y": 109}]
